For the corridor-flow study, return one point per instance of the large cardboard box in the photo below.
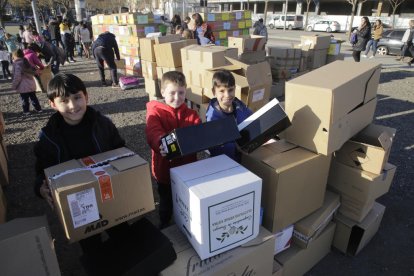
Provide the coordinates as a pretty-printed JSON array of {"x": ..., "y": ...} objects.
[
  {"x": 309, "y": 228},
  {"x": 294, "y": 181},
  {"x": 149, "y": 70},
  {"x": 284, "y": 57},
  {"x": 247, "y": 43},
  {"x": 262, "y": 125},
  {"x": 146, "y": 45},
  {"x": 26, "y": 248},
  {"x": 315, "y": 42},
  {"x": 152, "y": 87},
  {"x": 352, "y": 208},
  {"x": 368, "y": 150},
  {"x": 206, "y": 57},
  {"x": 326, "y": 111},
  {"x": 180, "y": 141},
  {"x": 297, "y": 261},
  {"x": 169, "y": 54},
  {"x": 100, "y": 191},
  {"x": 4, "y": 169},
  {"x": 351, "y": 236},
  {"x": 197, "y": 95},
  {"x": 252, "y": 258},
  {"x": 216, "y": 204},
  {"x": 161, "y": 70}
]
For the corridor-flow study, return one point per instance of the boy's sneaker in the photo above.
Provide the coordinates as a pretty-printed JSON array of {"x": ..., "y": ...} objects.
[
  {"x": 9, "y": 78},
  {"x": 364, "y": 56}
]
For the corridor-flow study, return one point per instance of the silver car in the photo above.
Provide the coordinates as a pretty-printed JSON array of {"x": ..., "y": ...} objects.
[{"x": 324, "y": 26}]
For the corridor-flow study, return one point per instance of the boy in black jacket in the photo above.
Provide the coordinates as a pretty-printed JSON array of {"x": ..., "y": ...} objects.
[{"x": 74, "y": 131}]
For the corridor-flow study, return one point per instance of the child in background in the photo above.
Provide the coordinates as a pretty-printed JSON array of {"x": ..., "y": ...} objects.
[
  {"x": 24, "y": 83},
  {"x": 187, "y": 34},
  {"x": 5, "y": 62},
  {"x": 223, "y": 105},
  {"x": 163, "y": 117},
  {"x": 74, "y": 131},
  {"x": 179, "y": 30}
]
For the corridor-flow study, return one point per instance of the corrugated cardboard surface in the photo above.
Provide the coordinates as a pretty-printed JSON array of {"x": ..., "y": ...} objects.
[
  {"x": 252, "y": 258},
  {"x": 310, "y": 226},
  {"x": 247, "y": 43},
  {"x": 294, "y": 182},
  {"x": 26, "y": 248},
  {"x": 146, "y": 46},
  {"x": 152, "y": 87},
  {"x": 297, "y": 261},
  {"x": 351, "y": 236},
  {"x": 368, "y": 150},
  {"x": 327, "y": 108},
  {"x": 169, "y": 54},
  {"x": 315, "y": 42},
  {"x": 206, "y": 57},
  {"x": 149, "y": 69},
  {"x": 277, "y": 269},
  {"x": 131, "y": 189}
]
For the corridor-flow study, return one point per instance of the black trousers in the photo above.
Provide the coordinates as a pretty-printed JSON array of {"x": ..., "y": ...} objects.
[
  {"x": 24, "y": 97},
  {"x": 166, "y": 203},
  {"x": 356, "y": 55},
  {"x": 5, "y": 68},
  {"x": 103, "y": 54}
]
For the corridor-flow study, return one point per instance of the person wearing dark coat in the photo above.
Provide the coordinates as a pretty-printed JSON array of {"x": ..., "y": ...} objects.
[
  {"x": 104, "y": 48},
  {"x": 363, "y": 34}
]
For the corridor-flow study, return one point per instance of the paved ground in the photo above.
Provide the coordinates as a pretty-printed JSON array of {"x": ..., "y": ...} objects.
[{"x": 391, "y": 252}]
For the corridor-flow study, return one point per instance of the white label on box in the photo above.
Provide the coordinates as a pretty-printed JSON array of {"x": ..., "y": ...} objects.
[
  {"x": 238, "y": 15},
  {"x": 258, "y": 95},
  {"x": 231, "y": 221},
  {"x": 83, "y": 207}
]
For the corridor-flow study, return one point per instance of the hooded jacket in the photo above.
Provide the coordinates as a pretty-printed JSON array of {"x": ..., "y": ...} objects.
[
  {"x": 33, "y": 59},
  {"x": 51, "y": 150},
  {"x": 240, "y": 113},
  {"x": 107, "y": 40},
  {"x": 161, "y": 120},
  {"x": 22, "y": 81}
]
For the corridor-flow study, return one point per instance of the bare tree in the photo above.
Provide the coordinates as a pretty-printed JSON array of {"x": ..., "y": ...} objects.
[
  {"x": 354, "y": 4},
  {"x": 3, "y": 4},
  {"x": 307, "y": 14},
  {"x": 394, "y": 5}
]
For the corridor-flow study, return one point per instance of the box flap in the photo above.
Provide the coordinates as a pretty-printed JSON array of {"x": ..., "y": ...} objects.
[
  {"x": 128, "y": 163},
  {"x": 167, "y": 38},
  {"x": 376, "y": 135}
]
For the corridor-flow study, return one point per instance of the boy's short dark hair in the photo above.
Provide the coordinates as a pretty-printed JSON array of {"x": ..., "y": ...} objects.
[
  {"x": 223, "y": 78},
  {"x": 62, "y": 85},
  {"x": 174, "y": 77}
]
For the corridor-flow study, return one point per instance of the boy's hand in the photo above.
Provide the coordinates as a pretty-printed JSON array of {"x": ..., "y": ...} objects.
[
  {"x": 162, "y": 151},
  {"x": 45, "y": 193}
]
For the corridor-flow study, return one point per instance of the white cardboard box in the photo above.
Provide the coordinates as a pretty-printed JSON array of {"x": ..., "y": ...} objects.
[{"x": 216, "y": 203}]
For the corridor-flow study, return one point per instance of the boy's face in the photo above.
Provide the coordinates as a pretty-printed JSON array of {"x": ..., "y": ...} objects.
[
  {"x": 173, "y": 94},
  {"x": 72, "y": 108},
  {"x": 225, "y": 96}
]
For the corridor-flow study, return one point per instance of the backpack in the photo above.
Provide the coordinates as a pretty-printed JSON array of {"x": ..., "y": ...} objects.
[{"x": 353, "y": 39}]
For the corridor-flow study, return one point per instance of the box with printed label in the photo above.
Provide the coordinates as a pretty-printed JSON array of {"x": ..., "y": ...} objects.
[
  {"x": 368, "y": 150},
  {"x": 351, "y": 237},
  {"x": 26, "y": 248},
  {"x": 294, "y": 181},
  {"x": 262, "y": 125},
  {"x": 180, "y": 141},
  {"x": 315, "y": 42},
  {"x": 97, "y": 192},
  {"x": 216, "y": 204},
  {"x": 247, "y": 43},
  {"x": 297, "y": 261},
  {"x": 169, "y": 54},
  {"x": 309, "y": 228},
  {"x": 252, "y": 258},
  {"x": 326, "y": 112}
]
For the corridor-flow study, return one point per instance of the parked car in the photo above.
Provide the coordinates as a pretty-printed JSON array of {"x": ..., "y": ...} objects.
[
  {"x": 324, "y": 26},
  {"x": 390, "y": 43},
  {"x": 292, "y": 22}
]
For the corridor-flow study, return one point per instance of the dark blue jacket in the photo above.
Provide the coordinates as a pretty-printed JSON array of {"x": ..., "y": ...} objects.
[
  {"x": 107, "y": 40},
  {"x": 240, "y": 113}
]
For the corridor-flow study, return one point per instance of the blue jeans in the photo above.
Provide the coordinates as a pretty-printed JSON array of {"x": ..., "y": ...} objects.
[{"x": 372, "y": 43}]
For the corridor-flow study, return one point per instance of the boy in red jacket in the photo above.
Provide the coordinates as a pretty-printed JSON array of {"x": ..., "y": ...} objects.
[{"x": 164, "y": 116}]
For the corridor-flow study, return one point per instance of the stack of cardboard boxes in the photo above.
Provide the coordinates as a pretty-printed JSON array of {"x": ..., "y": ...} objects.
[{"x": 226, "y": 24}]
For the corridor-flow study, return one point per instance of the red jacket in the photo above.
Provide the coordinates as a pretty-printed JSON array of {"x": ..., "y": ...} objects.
[{"x": 161, "y": 120}]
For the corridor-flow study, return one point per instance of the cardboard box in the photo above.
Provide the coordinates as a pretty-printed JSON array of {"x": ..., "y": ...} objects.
[
  {"x": 330, "y": 58},
  {"x": 262, "y": 125},
  {"x": 315, "y": 42},
  {"x": 297, "y": 261},
  {"x": 360, "y": 185},
  {"x": 252, "y": 258},
  {"x": 216, "y": 204},
  {"x": 26, "y": 248},
  {"x": 100, "y": 191},
  {"x": 206, "y": 57},
  {"x": 294, "y": 181},
  {"x": 247, "y": 43},
  {"x": 277, "y": 90},
  {"x": 3, "y": 206},
  {"x": 353, "y": 208},
  {"x": 314, "y": 59},
  {"x": 277, "y": 269},
  {"x": 283, "y": 239},
  {"x": 368, "y": 150},
  {"x": 4, "y": 169},
  {"x": 351, "y": 236},
  {"x": 180, "y": 142},
  {"x": 326, "y": 112},
  {"x": 149, "y": 69},
  {"x": 253, "y": 57},
  {"x": 309, "y": 228},
  {"x": 146, "y": 45},
  {"x": 169, "y": 54},
  {"x": 284, "y": 57},
  {"x": 196, "y": 95},
  {"x": 161, "y": 70},
  {"x": 152, "y": 87}
]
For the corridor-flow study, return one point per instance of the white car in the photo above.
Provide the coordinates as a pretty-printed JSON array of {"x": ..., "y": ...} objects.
[{"x": 324, "y": 26}]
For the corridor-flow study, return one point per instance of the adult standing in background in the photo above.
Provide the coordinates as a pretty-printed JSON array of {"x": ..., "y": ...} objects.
[
  {"x": 363, "y": 34},
  {"x": 85, "y": 39},
  {"x": 260, "y": 28},
  {"x": 27, "y": 36},
  {"x": 104, "y": 48},
  {"x": 202, "y": 31},
  {"x": 76, "y": 36},
  {"x": 407, "y": 48},
  {"x": 377, "y": 31}
]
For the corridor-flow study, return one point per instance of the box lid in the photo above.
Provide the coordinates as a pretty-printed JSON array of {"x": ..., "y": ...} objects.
[
  {"x": 256, "y": 74},
  {"x": 376, "y": 135}
]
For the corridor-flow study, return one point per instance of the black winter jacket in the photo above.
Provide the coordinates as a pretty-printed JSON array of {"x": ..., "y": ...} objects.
[
  {"x": 363, "y": 36},
  {"x": 106, "y": 40},
  {"x": 51, "y": 150}
]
